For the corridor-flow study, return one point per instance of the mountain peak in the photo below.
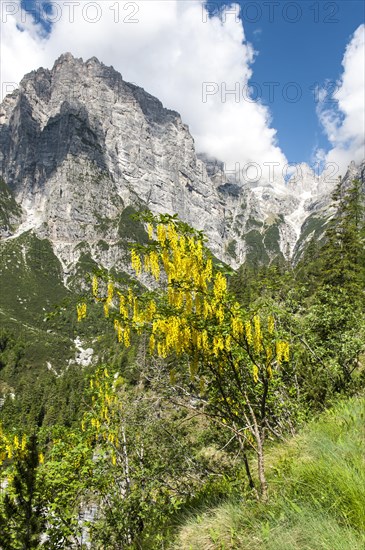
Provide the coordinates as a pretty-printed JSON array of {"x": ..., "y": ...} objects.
[
  {"x": 78, "y": 145},
  {"x": 67, "y": 60},
  {"x": 67, "y": 57}
]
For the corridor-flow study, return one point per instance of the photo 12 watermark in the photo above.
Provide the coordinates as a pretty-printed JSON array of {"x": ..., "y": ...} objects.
[
  {"x": 269, "y": 92},
  {"x": 246, "y": 173},
  {"x": 51, "y": 12},
  {"x": 289, "y": 12}
]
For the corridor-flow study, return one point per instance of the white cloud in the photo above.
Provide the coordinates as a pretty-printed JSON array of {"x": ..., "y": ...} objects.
[
  {"x": 343, "y": 118},
  {"x": 171, "y": 51}
]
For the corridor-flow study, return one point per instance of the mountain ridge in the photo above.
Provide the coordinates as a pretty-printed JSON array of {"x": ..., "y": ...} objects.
[{"x": 102, "y": 145}]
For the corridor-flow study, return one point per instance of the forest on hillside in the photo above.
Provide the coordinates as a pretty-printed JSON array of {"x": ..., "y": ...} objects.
[{"x": 225, "y": 411}]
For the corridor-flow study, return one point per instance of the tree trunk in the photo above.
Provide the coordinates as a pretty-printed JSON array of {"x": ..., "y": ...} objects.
[
  {"x": 250, "y": 480},
  {"x": 261, "y": 469},
  {"x": 259, "y": 437}
]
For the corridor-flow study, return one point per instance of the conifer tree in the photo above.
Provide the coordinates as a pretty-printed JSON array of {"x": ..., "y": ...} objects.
[
  {"x": 335, "y": 320},
  {"x": 343, "y": 256},
  {"x": 22, "y": 514}
]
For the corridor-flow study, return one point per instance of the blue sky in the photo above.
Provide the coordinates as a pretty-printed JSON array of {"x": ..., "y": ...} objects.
[
  {"x": 173, "y": 52},
  {"x": 307, "y": 51}
]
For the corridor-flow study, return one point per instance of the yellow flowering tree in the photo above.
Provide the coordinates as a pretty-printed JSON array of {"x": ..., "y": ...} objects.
[
  {"x": 234, "y": 359},
  {"x": 142, "y": 467}
]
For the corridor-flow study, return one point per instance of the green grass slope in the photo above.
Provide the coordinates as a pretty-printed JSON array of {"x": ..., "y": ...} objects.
[
  {"x": 30, "y": 287},
  {"x": 317, "y": 500}
]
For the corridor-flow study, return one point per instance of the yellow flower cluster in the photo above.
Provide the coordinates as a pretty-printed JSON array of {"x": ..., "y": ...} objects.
[
  {"x": 257, "y": 341},
  {"x": 123, "y": 307},
  {"x": 82, "y": 308},
  {"x": 110, "y": 293},
  {"x": 181, "y": 257},
  {"x": 102, "y": 420},
  {"x": 203, "y": 342},
  {"x": 11, "y": 446},
  {"x": 188, "y": 272},
  {"x": 218, "y": 345},
  {"x": 150, "y": 231},
  {"x": 171, "y": 334},
  {"x": 161, "y": 234},
  {"x": 237, "y": 327},
  {"x": 136, "y": 262},
  {"x": 152, "y": 265},
  {"x": 219, "y": 313},
  {"x": 123, "y": 333},
  {"x": 109, "y": 298},
  {"x": 220, "y": 287},
  {"x": 131, "y": 312},
  {"x": 282, "y": 351},
  {"x": 150, "y": 311},
  {"x": 248, "y": 332},
  {"x": 81, "y": 311},
  {"x": 95, "y": 287}
]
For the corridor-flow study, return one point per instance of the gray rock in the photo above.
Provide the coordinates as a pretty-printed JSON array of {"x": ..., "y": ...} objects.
[{"x": 78, "y": 145}]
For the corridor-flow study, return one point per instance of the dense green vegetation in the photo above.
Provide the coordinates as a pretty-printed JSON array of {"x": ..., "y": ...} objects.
[
  {"x": 317, "y": 492},
  {"x": 31, "y": 286},
  {"x": 218, "y": 440}
]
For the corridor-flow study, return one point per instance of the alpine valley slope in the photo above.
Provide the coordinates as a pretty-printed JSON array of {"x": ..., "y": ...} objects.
[{"x": 81, "y": 149}]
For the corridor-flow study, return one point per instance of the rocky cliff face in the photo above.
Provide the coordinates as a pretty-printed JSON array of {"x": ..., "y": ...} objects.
[
  {"x": 317, "y": 210},
  {"x": 79, "y": 145}
]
